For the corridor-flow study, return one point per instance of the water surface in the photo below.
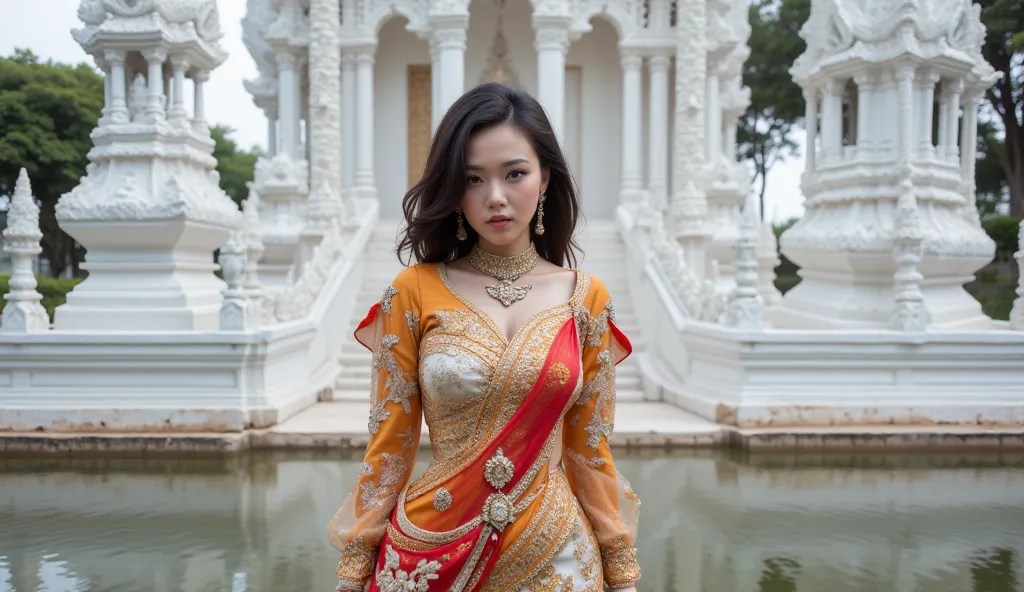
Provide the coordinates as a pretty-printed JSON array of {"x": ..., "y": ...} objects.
[{"x": 711, "y": 521}]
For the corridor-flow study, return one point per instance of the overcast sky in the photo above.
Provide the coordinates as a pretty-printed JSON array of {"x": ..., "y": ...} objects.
[{"x": 44, "y": 27}]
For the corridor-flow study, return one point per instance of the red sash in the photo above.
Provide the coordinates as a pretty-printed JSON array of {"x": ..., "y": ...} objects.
[{"x": 462, "y": 565}]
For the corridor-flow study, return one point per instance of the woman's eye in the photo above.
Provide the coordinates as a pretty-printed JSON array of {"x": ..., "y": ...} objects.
[
  {"x": 473, "y": 179},
  {"x": 516, "y": 175}
]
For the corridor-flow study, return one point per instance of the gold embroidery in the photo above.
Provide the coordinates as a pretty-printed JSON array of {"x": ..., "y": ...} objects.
[
  {"x": 550, "y": 581},
  {"x": 385, "y": 300},
  {"x": 357, "y": 561},
  {"x": 620, "y": 566},
  {"x": 442, "y": 500},
  {"x": 391, "y": 578},
  {"x": 557, "y": 375}
]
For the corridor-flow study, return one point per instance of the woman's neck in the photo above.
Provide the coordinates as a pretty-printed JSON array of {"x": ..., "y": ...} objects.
[{"x": 516, "y": 247}]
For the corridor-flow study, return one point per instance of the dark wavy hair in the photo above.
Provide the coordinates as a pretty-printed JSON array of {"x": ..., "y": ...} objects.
[{"x": 429, "y": 207}]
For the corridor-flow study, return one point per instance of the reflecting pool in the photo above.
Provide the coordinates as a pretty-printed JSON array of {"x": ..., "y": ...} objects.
[{"x": 711, "y": 521}]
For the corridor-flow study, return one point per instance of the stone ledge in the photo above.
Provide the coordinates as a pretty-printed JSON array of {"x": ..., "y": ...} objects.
[
  {"x": 902, "y": 438},
  {"x": 869, "y": 438},
  {"x": 152, "y": 443}
]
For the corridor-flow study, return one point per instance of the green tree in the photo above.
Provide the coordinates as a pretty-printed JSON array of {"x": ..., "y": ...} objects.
[
  {"x": 47, "y": 111},
  {"x": 236, "y": 167},
  {"x": 1004, "y": 50},
  {"x": 776, "y": 106}
]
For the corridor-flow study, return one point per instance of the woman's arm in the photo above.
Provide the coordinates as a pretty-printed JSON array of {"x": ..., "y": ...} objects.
[
  {"x": 607, "y": 499},
  {"x": 391, "y": 332}
]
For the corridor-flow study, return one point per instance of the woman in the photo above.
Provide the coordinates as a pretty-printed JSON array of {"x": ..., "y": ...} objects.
[{"x": 511, "y": 359}]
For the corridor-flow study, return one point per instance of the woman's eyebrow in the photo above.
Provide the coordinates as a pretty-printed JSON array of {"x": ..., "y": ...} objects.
[{"x": 507, "y": 163}]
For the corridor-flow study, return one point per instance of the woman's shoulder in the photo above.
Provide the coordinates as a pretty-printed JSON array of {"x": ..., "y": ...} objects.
[{"x": 596, "y": 293}]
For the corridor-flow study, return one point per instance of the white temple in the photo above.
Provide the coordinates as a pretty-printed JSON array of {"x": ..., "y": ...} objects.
[{"x": 644, "y": 94}]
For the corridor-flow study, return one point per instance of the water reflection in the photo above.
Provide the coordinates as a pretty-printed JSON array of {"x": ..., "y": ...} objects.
[{"x": 710, "y": 522}]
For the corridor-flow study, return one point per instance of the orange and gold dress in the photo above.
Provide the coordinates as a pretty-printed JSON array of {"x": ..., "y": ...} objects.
[{"x": 489, "y": 513}]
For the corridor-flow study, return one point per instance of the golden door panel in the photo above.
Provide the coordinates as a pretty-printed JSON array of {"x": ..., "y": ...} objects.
[{"x": 418, "y": 121}]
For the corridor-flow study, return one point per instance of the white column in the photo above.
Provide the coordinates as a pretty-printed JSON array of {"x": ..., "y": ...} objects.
[
  {"x": 451, "y": 58},
  {"x": 288, "y": 109},
  {"x": 811, "y": 119},
  {"x": 199, "y": 109},
  {"x": 969, "y": 140},
  {"x": 926, "y": 146},
  {"x": 955, "y": 88},
  {"x": 155, "y": 105},
  {"x": 271, "y": 135},
  {"x": 832, "y": 121},
  {"x": 435, "y": 85},
  {"x": 552, "y": 42},
  {"x": 177, "y": 115},
  {"x": 657, "y": 159},
  {"x": 118, "y": 106},
  {"x": 865, "y": 100},
  {"x": 943, "y": 143},
  {"x": 348, "y": 120},
  {"x": 364, "y": 182},
  {"x": 631, "y": 183},
  {"x": 713, "y": 121}
]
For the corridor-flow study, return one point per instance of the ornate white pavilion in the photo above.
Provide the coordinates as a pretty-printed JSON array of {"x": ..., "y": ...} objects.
[{"x": 644, "y": 94}]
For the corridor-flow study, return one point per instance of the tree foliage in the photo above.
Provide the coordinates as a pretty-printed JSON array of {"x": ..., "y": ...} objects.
[
  {"x": 1004, "y": 50},
  {"x": 47, "y": 112},
  {"x": 776, "y": 106},
  {"x": 236, "y": 167}
]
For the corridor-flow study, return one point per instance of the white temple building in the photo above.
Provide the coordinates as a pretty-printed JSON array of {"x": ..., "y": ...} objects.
[{"x": 645, "y": 96}]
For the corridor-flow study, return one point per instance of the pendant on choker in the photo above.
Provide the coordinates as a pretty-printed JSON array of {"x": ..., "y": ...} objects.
[{"x": 506, "y": 270}]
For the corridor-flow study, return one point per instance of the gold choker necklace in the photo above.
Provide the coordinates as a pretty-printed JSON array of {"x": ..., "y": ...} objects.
[{"x": 506, "y": 270}]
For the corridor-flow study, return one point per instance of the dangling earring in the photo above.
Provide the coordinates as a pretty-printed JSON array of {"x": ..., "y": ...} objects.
[
  {"x": 461, "y": 232},
  {"x": 540, "y": 215}
]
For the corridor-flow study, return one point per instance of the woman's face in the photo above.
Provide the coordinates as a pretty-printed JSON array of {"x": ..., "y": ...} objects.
[{"x": 504, "y": 182}]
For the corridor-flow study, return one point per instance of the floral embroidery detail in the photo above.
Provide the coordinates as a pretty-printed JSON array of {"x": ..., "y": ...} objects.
[
  {"x": 393, "y": 470},
  {"x": 398, "y": 388},
  {"x": 413, "y": 321},
  {"x": 391, "y": 578},
  {"x": 557, "y": 375},
  {"x": 385, "y": 300},
  {"x": 367, "y": 469},
  {"x": 603, "y": 386},
  {"x": 610, "y": 307},
  {"x": 442, "y": 500}
]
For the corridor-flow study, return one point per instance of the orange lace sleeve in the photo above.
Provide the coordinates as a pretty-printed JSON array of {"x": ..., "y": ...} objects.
[
  {"x": 606, "y": 497},
  {"x": 391, "y": 331}
]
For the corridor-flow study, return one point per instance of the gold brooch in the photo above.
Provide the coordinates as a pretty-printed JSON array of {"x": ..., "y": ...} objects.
[
  {"x": 442, "y": 500},
  {"x": 499, "y": 470},
  {"x": 498, "y": 511}
]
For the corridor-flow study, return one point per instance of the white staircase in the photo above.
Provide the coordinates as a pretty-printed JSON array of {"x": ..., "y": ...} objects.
[{"x": 604, "y": 257}]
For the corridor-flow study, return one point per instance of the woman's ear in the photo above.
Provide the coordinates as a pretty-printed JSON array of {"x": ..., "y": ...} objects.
[{"x": 545, "y": 176}]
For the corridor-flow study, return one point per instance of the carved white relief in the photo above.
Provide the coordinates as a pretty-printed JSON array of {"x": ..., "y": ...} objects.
[
  {"x": 887, "y": 200},
  {"x": 689, "y": 202},
  {"x": 325, "y": 101},
  {"x": 23, "y": 312},
  {"x": 745, "y": 309},
  {"x": 1017, "y": 312}
]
